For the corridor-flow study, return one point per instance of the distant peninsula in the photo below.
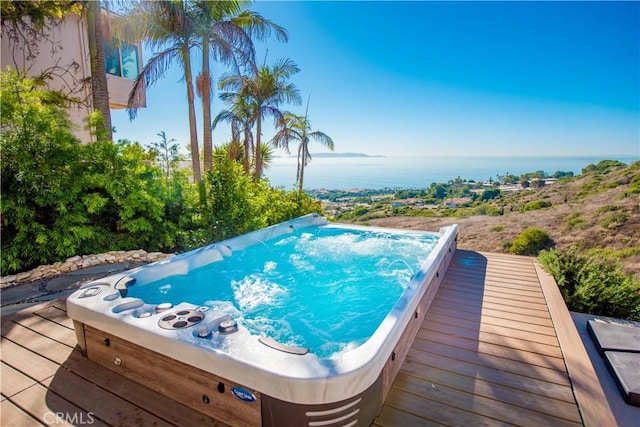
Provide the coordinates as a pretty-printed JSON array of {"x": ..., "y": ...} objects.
[{"x": 344, "y": 155}]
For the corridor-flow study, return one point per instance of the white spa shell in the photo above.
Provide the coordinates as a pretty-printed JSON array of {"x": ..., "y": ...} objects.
[{"x": 240, "y": 356}]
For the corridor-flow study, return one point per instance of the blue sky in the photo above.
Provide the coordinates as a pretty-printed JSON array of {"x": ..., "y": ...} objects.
[{"x": 446, "y": 78}]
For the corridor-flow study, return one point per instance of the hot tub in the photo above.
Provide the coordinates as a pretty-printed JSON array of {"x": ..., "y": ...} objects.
[{"x": 302, "y": 323}]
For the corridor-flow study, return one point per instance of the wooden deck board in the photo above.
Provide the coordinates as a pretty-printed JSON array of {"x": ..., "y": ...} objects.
[
  {"x": 13, "y": 416},
  {"x": 13, "y": 381},
  {"x": 487, "y": 353}
]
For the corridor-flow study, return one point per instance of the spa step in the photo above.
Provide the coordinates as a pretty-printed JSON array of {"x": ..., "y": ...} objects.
[
  {"x": 625, "y": 369},
  {"x": 619, "y": 345},
  {"x": 614, "y": 337}
]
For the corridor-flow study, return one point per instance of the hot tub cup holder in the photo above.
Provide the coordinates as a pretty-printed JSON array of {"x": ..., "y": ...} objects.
[
  {"x": 147, "y": 310},
  {"x": 163, "y": 307},
  {"x": 222, "y": 325},
  {"x": 180, "y": 319},
  {"x": 227, "y": 326}
]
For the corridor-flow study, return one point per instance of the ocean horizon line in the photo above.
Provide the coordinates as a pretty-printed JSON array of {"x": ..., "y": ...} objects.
[
  {"x": 479, "y": 156},
  {"x": 373, "y": 173}
]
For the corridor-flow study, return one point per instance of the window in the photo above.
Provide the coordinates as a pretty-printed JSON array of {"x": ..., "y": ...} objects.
[{"x": 121, "y": 61}]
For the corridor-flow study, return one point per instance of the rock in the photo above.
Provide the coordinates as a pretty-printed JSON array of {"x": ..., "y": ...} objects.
[
  {"x": 67, "y": 266},
  {"x": 8, "y": 279},
  {"x": 77, "y": 262},
  {"x": 23, "y": 277}
]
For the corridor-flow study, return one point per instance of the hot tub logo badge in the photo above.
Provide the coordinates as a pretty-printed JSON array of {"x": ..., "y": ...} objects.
[{"x": 243, "y": 394}]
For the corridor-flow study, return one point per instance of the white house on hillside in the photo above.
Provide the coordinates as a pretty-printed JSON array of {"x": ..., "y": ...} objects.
[{"x": 122, "y": 66}]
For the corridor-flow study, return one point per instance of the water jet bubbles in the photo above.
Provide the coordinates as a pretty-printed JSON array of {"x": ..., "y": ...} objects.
[
  {"x": 165, "y": 289},
  {"x": 254, "y": 292},
  {"x": 269, "y": 267}
]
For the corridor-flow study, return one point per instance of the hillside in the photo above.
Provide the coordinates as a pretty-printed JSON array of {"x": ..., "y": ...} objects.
[{"x": 598, "y": 210}]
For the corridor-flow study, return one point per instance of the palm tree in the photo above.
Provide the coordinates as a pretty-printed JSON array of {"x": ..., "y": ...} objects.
[
  {"x": 168, "y": 27},
  {"x": 99, "y": 89},
  {"x": 295, "y": 128},
  {"x": 226, "y": 36},
  {"x": 240, "y": 117},
  {"x": 264, "y": 92}
]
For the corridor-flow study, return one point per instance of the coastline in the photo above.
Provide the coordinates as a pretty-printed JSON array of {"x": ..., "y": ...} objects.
[{"x": 419, "y": 172}]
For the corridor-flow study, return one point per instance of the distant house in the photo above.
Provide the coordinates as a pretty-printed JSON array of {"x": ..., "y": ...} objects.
[
  {"x": 456, "y": 201},
  {"x": 510, "y": 188},
  {"x": 122, "y": 65},
  {"x": 413, "y": 201}
]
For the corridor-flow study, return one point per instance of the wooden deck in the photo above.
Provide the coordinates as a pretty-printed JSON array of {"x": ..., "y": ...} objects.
[{"x": 497, "y": 347}]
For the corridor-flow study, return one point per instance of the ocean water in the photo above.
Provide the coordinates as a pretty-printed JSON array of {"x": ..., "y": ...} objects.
[{"x": 417, "y": 172}]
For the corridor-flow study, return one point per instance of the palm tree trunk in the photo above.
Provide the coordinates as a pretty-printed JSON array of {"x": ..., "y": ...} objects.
[
  {"x": 193, "y": 132},
  {"x": 99, "y": 89},
  {"x": 247, "y": 149},
  {"x": 301, "y": 161},
  {"x": 257, "y": 173},
  {"x": 207, "y": 139}
]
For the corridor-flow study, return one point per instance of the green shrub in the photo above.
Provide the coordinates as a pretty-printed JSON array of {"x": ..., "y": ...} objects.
[
  {"x": 487, "y": 209},
  {"x": 497, "y": 228},
  {"x": 61, "y": 198},
  {"x": 607, "y": 208},
  {"x": 536, "y": 204},
  {"x": 574, "y": 221},
  {"x": 614, "y": 220},
  {"x": 634, "y": 185},
  {"x": 490, "y": 194},
  {"x": 44, "y": 217},
  {"x": 236, "y": 204},
  {"x": 530, "y": 242},
  {"x": 591, "y": 285},
  {"x": 360, "y": 210},
  {"x": 602, "y": 166},
  {"x": 577, "y": 224}
]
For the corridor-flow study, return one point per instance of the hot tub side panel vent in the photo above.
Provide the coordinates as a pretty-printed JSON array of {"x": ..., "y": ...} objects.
[{"x": 357, "y": 411}]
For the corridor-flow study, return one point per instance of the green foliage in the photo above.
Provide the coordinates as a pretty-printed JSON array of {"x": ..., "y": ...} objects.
[
  {"x": 535, "y": 205},
  {"x": 61, "y": 198},
  {"x": 607, "y": 208},
  {"x": 614, "y": 220},
  {"x": 166, "y": 154},
  {"x": 131, "y": 196},
  {"x": 530, "y": 242},
  {"x": 634, "y": 183},
  {"x": 591, "y": 285},
  {"x": 497, "y": 228},
  {"x": 490, "y": 194},
  {"x": 36, "y": 13},
  {"x": 562, "y": 175},
  {"x": 602, "y": 166},
  {"x": 575, "y": 221},
  {"x": 43, "y": 217},
  {"x": 614, "y": 253},
  {"x": 488, "y": 209},
  {"x": 237, "y": 204},
  {"x": 359, "y": 211}
]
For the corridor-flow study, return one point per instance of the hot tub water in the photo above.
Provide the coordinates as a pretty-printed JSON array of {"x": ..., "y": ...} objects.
[{"x": 324, "y": 288}]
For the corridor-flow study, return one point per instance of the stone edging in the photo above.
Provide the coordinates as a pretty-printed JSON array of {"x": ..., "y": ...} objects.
[{"x": 78, "y": 263}]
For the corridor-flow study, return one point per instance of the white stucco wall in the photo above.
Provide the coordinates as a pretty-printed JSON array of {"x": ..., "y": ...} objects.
[{"x": 71, "y": 37}]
